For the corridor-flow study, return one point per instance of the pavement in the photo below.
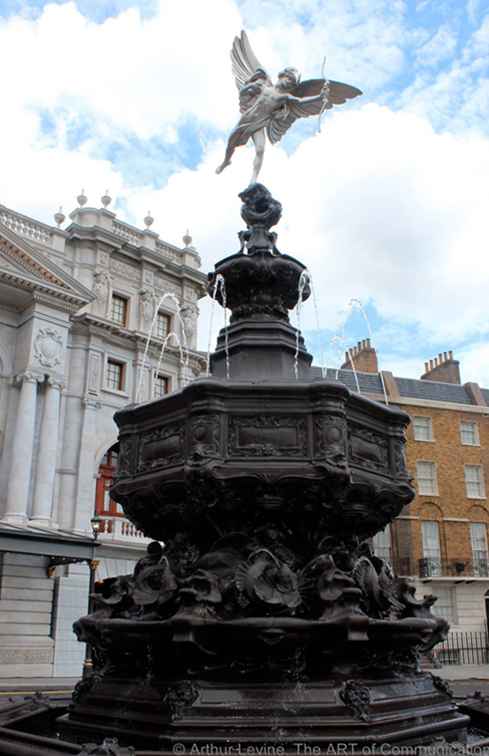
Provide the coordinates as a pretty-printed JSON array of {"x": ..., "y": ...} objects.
[{"x": 24, "y": 686}]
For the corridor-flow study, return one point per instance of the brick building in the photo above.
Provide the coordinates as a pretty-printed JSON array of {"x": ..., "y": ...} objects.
[{"x": 440, "y": 540}]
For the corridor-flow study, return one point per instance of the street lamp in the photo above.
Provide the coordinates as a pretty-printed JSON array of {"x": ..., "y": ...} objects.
[{"x": 96, "y": 523}]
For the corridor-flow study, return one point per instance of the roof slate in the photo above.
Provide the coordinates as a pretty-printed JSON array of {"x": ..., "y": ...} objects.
[
  {"x": 409, "y": 388},
  {"x": 433, "y": 390}
]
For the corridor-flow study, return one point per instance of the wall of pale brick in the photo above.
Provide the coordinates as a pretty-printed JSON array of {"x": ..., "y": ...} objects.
[{"x": 451, "y": 508}]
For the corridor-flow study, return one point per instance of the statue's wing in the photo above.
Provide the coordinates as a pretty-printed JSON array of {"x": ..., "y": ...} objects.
[
  {"x": 243, "y": 59},
  {"x": 284, "y": 118},
  {"x": 245, "y": 64},
  {"x": 338, "y": 92}
]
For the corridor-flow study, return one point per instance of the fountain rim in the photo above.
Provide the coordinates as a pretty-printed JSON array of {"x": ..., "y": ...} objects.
[{"x": 212, "y": 386}]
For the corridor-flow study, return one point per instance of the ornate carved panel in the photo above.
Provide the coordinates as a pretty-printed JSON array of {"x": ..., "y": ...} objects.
[
  {"x": 267, "y": 435},
  {"x": 48, "y": 347},
  {"x": 125, "y": 270},
  {"x": 127, "y": 455},
  {"x": 400, "y": 456},
  {"x": 368, "y": 449},
  {"x": 94, "y": 373},
  {"x": 204, "y": 437},
  {"x": 330, "y": 439},
  {"x": 161, "y": 447}
]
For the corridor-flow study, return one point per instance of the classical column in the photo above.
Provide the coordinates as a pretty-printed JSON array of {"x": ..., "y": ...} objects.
[
  {"x": 86, "y": 472},
  {"x": 48, "y": 451},
  {"x": 21, "y": 462}
]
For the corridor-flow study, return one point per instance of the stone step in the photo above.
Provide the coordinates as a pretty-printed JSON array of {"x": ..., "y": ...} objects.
[
  {"x": 12, "y": 605},
  {"x": 27, "y": 560},
  {"x": 39, "y": 584},
  {"x": 18, "y": 628},
  {"x": 17, "y": 570},
  {"x": 27, "y": 670},
  {"x": 22, "y": 594},
  {"x": 27, "y": 617}
]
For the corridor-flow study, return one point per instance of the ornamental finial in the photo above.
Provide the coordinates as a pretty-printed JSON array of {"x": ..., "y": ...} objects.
[
  {"x": 187, "y": 239},
  {"x": 82, "y": 198},
  {"x": 106, "y": 199},
  {"x": 59, "y": 217},
  {"x": 149, "y": 220}
]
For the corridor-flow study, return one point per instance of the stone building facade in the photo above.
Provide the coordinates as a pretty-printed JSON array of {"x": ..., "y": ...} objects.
[
  {"x": 76, "y": 306},
  {"x": 440, "y": 541}
]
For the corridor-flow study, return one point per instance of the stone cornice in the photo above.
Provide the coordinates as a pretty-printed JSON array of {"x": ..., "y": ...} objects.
[
  {"x": 469, "y": 408},
  {"x": 100, "y": 326},
  {"x": 139, "y": 253},
  {"x": 33, "y": 270},
  {"x": 61, "y": 299}
]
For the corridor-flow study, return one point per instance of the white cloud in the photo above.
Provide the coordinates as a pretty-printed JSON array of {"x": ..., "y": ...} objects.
[
  {"x": 378, "y": 206},
  {"x": 141, "y": 75},
  {"x": 474, "y": 363},
  {"x": 439, "y": 47},
  {"x": 454, "y": 97}
]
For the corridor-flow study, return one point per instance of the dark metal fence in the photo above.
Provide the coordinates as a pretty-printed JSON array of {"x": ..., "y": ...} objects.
[
  {"x": 464, "y": 648},
  {"x": 431, "y": 567}
]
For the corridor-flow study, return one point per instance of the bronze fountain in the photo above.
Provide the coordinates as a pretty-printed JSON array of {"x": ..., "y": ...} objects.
[{"x": 266, "y": 619}]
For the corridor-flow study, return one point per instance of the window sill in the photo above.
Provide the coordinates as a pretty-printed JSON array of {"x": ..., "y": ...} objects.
[
  {"x": 476, "y": 498},
  {"x": 425, "y": 440},
  {"x": 115, "y": 392},
  {"x": 429, "y": 494},
  {"x": 464, "y": 443}
]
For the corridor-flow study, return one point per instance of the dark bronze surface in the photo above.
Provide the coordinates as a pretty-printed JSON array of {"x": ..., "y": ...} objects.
[{"x": 266, "y": 619}]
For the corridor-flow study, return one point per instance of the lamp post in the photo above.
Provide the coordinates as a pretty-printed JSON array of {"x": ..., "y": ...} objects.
[{"x": 96, "y": 523}]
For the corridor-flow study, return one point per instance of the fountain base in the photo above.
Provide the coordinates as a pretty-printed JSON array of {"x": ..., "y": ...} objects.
[{"x": 199, "y": 713}]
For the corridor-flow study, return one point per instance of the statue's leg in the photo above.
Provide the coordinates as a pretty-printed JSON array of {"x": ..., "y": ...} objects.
[
  {"x": 227, "y": 157},
  {"x": 238, "y": 137},
  {"x": 259, "y": 140}
]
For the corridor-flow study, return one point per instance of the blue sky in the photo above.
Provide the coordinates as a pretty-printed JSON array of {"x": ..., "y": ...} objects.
[{"x": 387, "y": 205}]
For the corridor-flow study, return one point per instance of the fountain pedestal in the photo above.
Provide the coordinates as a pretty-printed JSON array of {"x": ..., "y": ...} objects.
[{"x": 266, "y": 620}]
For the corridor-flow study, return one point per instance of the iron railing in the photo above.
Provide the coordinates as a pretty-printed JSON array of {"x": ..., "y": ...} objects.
[
  {"x": 463, "y": 648},
  {"x": 431, "y": 567}
]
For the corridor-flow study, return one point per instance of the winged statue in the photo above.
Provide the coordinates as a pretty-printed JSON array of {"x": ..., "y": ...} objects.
[{"x": 271, "y": 109}]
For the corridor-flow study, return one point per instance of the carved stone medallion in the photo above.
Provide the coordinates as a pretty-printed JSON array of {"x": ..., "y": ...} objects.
[{"x": 48, "y": 347}]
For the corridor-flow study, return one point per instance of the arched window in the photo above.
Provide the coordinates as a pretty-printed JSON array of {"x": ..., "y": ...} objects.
[{"x": 105, "y": 506}]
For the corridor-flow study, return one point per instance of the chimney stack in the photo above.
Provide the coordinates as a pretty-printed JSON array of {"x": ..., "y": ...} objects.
[
  {"x": 363, "y": 357},
  {"x": 442, "y": 368}
]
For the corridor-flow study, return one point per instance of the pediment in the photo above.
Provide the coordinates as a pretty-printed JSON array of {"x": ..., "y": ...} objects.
[{"x": 34, "y": 269}]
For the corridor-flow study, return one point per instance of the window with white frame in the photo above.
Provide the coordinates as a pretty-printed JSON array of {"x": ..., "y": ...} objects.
[
  {"x": 114, "y": 375},
  {"x": 431, "y": 562},
  {"x": 469, "y": 433},
  {"x": 423, "y": 428},
  {"x": 426, "y": 477},
  {"x": 382, "y": 544},
  {"x": 478, "y": 541},
  {"x": 474, "y": 482},
  {"x": 445, "y": 605}
]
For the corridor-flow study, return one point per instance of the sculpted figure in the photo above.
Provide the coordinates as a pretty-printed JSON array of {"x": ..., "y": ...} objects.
[
  {"x": 271, "y": 109},
  {"x": 148, "y": 304},
  {"x": 101, "y": 289}
]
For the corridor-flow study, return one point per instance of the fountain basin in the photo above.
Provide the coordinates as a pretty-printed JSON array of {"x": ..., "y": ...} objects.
[{"x": 294, "y": 450}]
